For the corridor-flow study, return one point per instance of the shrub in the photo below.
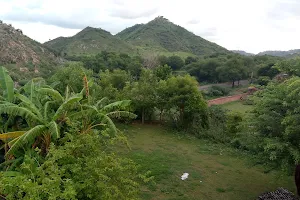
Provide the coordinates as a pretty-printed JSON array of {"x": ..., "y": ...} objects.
[
  {"x": 215, "y": 91},
  {"x": 82, "y": 169}
]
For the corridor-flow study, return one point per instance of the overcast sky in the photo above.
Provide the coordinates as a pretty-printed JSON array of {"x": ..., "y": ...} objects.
[{"x": 250, "y": 25}]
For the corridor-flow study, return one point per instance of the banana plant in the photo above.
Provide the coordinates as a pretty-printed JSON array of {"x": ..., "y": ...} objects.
[
  {"x": 45, "y": 112},
  {"x": 101, "y": 114}
]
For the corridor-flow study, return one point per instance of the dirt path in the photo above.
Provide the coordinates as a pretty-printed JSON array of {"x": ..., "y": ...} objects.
[{"x": 223, "y": 100}]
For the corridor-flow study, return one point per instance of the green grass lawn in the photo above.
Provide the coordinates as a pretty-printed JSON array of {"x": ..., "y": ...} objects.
[
  {"x": 237, "y": 106},
  {"x": 216, "y": 172}
]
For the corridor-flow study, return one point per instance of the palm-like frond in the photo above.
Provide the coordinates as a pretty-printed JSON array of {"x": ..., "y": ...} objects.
[
  {"x": 29, "y": 104},
  {"x": 67, "y": 92},
  {"x": 54, "y": 94},
  {"x": 102, "y": 102},
  {"x": 46, "y": 108},
  {"x": 94, "y": 108},
  {"x": 11, "y": 135},
  {"x": 120, "y": 114},
  {"x": 117, "y": 105},
  {"x": 20, "y": 111},
  {"x": 109, "y": 123},
  {"x": 7, "y": 85},
  {"x": 64, "y": 107},
  {"x": 54, "y": 130},
  {"x": 26, "y": 138}
]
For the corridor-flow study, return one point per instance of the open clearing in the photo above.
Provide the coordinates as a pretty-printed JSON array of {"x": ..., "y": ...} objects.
[
  {"x": 216, "y": 172},
  {"x": 237, "y": 106}
]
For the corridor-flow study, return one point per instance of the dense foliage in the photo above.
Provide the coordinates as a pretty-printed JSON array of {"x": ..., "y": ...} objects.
[
  {"x": 276, "y": 119},
  {"x": 57, "y": 146},
  {"x": 82, "y": 168}
]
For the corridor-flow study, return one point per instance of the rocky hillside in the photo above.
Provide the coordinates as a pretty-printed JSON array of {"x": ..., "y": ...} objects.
[
  {"x": 89, "y": 41},
  {"x": 161, "y": 34},
  {"x": 16, "y": 48}
]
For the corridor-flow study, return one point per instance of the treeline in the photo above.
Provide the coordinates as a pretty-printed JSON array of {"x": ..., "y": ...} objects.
[{"x": 210, "y": 69}]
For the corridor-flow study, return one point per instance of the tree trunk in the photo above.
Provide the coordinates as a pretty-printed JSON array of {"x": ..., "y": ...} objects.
[
  {"x": 238, "y": 82},
  {"x": 233, "y": 84},
  {"x": 160, "y": 115},
  {"x": 143, "y": 116},
  {"x": 181, "y": 113}
]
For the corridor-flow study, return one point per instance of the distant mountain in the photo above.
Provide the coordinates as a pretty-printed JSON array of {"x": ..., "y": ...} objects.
[
  {"x": 159, "y": 36},
  {"x": 244, "y": 53},
  {"x": 290, "y": 53},
  {"x": 89, "y": 41},
  {"x": 16, "y": 48},
  {"x": 162, "y": 35}
]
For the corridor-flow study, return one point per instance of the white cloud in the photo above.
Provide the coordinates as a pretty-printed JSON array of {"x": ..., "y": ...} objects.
[{"x": 251, "y": 25}]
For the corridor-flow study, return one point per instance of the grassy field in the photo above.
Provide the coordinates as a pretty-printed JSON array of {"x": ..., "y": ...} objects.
[
  {"x": 237, "y": 106},
  {"x": 216, "y": 172}
]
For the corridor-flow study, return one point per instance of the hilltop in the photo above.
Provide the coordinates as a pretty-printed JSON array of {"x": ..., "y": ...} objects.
[
  {"x": 16, "y": 48},
  {"x": 162, "y": 35},
  {"x": 25, "y": 58},
  {"x": 290, "y": 53},
  {"x": 89, "y": 41}
]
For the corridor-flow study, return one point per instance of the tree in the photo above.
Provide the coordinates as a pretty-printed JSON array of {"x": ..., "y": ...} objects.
[
  {"x": 276, "y": 120},
  {"x": 291, "y": 66},
  {"x": 268, "y": 70},
  {"x": 175, "y": 62},
  {"x": 204, "y": 70},
  {"x": 117, "y": 78},
  {"x": 163, "y": 72},
  {"x": 234, "y": 70},
  {"x": 143, "y": 93},
  {"x": 185, "y": 97},
  {"x": 190, "y": 60},
  {"x": 162, "y": 98},
  {"x": 70, "y": 75}
]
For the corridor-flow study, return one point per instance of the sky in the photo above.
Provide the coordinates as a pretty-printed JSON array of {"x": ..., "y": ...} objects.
[{"x": 249, "y": 25}]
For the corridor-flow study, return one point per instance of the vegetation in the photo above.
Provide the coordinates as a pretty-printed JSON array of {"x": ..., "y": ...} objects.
[
  {"x": 89, "y": 41},
  {"x": 216, "y": 171},
  {"x": 163, "y": 35},
  {"x": 58, "y": 134}
]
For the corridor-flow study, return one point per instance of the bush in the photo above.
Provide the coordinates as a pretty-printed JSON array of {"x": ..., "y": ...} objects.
[
  {"x": 81, "y": 169},
  {"x": 263, "y": 80},
  {"x": 216, "y": 91}
]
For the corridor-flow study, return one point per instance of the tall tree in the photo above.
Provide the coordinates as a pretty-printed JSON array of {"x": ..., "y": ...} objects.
[
  {"x": 233, "y": 70},
  {"x": 143, "y": 92}
]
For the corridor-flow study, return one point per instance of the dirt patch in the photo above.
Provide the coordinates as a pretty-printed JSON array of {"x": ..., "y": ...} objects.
[{"x": 223, "y": 100}]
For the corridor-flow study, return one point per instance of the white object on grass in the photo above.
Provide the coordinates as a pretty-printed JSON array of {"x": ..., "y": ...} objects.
[{"x": 184, "y": 176}]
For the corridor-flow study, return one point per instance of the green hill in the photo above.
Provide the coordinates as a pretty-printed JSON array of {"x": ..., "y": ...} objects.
[
  {"x": 162, "y": 35},
  {"x": 89, "y": 41}
]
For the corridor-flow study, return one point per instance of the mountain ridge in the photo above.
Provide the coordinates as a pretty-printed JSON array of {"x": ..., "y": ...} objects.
[
  {"x": 161, "y": 33},
  {"x": 88, "y": 41},
  {"x": 157, "y": 36},
  {"x": 277, "y": 53}
]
